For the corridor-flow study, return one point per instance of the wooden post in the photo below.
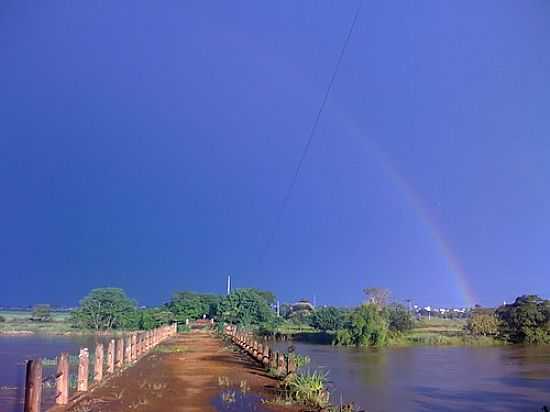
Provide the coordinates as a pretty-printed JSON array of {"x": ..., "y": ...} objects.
[
  {"x": 111, "y": 357},
  {"x": 62, "y": 379},
  {"x": 128, "y": 350},
  {"x": 33, "y": 386},
  {"x": 272, "y": 360},
  {"x": 98, "y": 367},
  {"x": 83, "y": 366},
  {"x": 134, "y": 347},
  {"x": 281, "y": 364},
  {"x": 265, "y": 358},
  {"x": 291, "y": 365},
  {"x": 119, "y": 360},
  {"x": 259, "y": 352}
]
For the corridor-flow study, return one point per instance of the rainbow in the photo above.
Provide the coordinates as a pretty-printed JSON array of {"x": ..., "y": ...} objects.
[{"x": 413, "y": 198}]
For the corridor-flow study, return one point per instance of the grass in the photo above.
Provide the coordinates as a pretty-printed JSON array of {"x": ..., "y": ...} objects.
[
  {"x": 290, "y": 328},
  {"x": 442, "y": 332},
  {"x": 24, "y": 315},
  {"x": 309, "y": 389},
  {"x": 171, "y": 349},
  {"x": 20, "y": 322}
]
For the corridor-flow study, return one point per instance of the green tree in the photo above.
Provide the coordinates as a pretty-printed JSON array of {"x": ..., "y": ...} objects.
[
  {"x": 526, "y": 320},
  {"x": 41, "y": 313},
  {"x": 268, "y": 296},
  {"x": 2, "y": 319},
  {"x": 245, "y": 307},
  {"x": 190, "y": 305},
  {"x": 399, "y": 318},
  {"x": 301, "y": 312},
  {"x": 105, "y": 309},
  {"x": 482, "y": 323},
  {"x": 367, "y": 327},
  {"x": 377, "y": 296},
  {"x": 328, "y": 318},
  {"x": 151, "y": 318}
]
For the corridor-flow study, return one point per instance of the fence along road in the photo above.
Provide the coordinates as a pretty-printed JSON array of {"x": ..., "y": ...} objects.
[{"x": 121, "y": 354}]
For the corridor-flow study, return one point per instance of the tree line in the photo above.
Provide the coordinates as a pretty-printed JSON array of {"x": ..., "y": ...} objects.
[
  {"x": 107, "y": 309},
  {"x": 526, "y": 320},
  {"x": 375, "y": 322}
]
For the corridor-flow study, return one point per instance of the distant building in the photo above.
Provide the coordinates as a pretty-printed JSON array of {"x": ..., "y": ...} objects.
[
  {"x": 302, "y": 305},
  {"x": 300, "y": 310}
]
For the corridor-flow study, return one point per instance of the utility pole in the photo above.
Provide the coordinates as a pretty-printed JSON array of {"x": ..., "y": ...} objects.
[
  {"x": 228, "y": 284},
  {"x": 278, "y": 309}
]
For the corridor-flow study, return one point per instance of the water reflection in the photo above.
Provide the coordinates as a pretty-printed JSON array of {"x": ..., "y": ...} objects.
[
  {"x": 15, "y": 350},
  {"x": 508, "y": 378}
]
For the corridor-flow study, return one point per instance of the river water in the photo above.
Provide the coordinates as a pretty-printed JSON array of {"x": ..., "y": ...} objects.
[
  {"x": 507, "y": 378},
  {"x": 15, "y": 350}
]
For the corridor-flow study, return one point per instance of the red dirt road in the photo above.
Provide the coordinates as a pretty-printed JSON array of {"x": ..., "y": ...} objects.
[{"x": 183, "y": 374}]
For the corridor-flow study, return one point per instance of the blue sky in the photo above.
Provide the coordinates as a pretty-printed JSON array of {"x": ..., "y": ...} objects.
[{"x": 149, "y": 146}]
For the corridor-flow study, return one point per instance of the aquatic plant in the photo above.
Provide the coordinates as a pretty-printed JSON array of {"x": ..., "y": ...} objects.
[
  {"x": 309, "y": 389},
  {"x": 300, "y": 360},
  {"x": 244, "y": 387},
  {"x": 229, "y": 396},
  {"x": 224, "y": 381}
]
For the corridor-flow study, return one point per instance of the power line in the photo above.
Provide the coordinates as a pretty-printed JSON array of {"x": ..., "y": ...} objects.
[{"x": 288, "y": 193}]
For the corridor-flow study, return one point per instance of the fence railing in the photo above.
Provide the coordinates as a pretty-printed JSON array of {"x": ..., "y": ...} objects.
[
  {"x": 279, "y": 363},
  {"x": 121, "y": 353}
]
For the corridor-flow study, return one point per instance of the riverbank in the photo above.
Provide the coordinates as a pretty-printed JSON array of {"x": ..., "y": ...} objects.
[
  {"x": 193, "y": 372},
  {"x": 426, "y": 332},
  {"x": 19, "y": 323}
]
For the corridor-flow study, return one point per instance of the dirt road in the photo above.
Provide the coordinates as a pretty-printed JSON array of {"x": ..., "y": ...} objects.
[{"x": 189, "y": 372}]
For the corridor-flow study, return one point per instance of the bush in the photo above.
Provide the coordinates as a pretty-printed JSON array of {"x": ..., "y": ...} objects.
[
  {"x": 526, "y": 320},
  {"x": 309, "y": 389},
  {"x": 41, "y": 313},
  {"x": 482, "y": 324},
  {"x": 190, "y": 305},
  {"x": 245, "y": 307},
  {"x": 367, "y": 327},
  {"x": 329, "y": 318},
  {"x": 399, "y": 318}
]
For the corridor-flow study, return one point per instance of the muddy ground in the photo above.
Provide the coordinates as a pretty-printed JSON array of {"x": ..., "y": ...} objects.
[{"x": 189, "y": 372}]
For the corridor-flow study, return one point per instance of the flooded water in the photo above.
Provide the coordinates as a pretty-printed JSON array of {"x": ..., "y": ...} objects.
[
  {"x": 436, "y": 378},
  {"x": 233, "y": 400},
  {"x": 15, "y": 350}
]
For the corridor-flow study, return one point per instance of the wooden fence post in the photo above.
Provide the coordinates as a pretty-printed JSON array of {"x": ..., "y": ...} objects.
[
  {"x": 98, "y": 367},
  {"x": 62, "y": 379},
  {"x": 33, "y": 386},
  {"x": 265, "y": 357},
  {"x": 272, "y": 359},
  {"x": 291, "y": 365},
  {"x": 111, "y": 357},
  {"x": 128, "y": 350},
  {"x": 259, "y": 352},
  {"x": 134, "y": 347},
  {"x": 281, "y": 364},
  {"x": 83, "y": 366},
  {"x": 119, "y": 360}
]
